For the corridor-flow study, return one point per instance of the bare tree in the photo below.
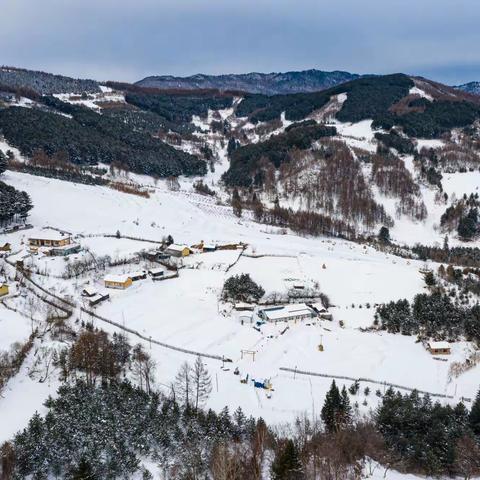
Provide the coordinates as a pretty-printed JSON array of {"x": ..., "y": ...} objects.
[
  {"x": 143, "y": 367},
  {"x": 183, "y": 385},
  {"x": 467, "y": 455},
  {"x": 202, "y": 384}
]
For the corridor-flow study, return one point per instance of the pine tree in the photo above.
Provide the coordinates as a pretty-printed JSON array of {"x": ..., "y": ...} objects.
[
  {"x": 331, "y": 407},
  {"x": 236, "y": 203},
  {"x": 3, "y": 162},
  {"x": 83, "y": 471},
  {"x": 474, "y": 417},
  {"x": 384, "y": 235},
  {"x": 286, "y": 464}
]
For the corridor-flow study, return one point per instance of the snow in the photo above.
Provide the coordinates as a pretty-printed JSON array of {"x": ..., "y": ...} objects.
[
  {"x": 187, "y": 312},
  {"x": 420, "y": 93}
]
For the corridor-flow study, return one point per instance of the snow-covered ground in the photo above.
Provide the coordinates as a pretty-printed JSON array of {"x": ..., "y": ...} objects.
[{"x": 186, "y": 311}]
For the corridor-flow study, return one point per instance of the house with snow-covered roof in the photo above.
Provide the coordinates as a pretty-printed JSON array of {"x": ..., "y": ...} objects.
[
  {"x": 177, "y": 250},
  {"x": 49, "y": 238},
  {"x": 292, "y": 311},
  {"x": 120, "y": 282},
  {"x": 439, "y": 348}
]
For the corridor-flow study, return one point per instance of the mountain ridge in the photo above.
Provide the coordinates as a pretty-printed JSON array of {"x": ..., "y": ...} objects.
[{"x": 273, "y": 83}]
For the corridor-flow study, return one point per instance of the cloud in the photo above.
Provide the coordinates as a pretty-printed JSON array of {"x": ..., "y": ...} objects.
[{"x": 126, "y": 39}]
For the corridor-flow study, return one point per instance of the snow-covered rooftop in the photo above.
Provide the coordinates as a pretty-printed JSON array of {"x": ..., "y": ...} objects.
[
  {"x": 176, "y": 248},
  {"x": 117, "y": 278},
  {"x": 438, "y": 345},
  {"x": 49, "y": 234},
  {"x": 287, "y": 311}
]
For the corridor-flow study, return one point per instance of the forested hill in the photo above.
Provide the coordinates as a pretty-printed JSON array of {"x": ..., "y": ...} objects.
[
  {"x": 42, "y": 83},
  {"x": 265, "y": 83},
  {"x": 470, "y": 87}
]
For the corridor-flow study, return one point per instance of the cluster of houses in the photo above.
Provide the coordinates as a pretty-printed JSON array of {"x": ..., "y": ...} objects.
[{"x": 123, "y": 281}]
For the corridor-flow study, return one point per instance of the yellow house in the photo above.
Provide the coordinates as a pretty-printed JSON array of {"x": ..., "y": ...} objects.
[
  {"x": 49, "y": 238},
  {"x": 118, "y": 281},
  {"x": 3, "y": 289},
  {"x": 178, "y": 250}
]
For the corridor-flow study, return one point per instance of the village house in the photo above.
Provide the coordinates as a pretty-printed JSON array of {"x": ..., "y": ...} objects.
[
  {"x": 439, "y": 348},
  {"x": 156, "y": 272},
  {"x": 177, "y": 250},
  {"x": 97, "y": 298},
  {"x": 120, "y": 282},
  {"x": 4, "y": 290},
  {"x": 50, "y": 238},
  {"x": 292, "y": 311}
]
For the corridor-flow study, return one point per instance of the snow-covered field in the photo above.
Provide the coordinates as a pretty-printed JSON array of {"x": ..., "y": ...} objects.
[{"x": 186, "y": 311}]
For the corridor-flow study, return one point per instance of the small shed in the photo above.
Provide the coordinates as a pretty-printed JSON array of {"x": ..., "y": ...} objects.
[
  {"x": 439, "y": 348},
  {"x": 4, "y": 290},
  {"x": 120, "y": 282}
]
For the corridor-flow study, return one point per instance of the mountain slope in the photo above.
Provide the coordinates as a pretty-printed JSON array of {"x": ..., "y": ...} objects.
[
  {"x": 43, "y": 83},
  {"x": 470, "y": 87},
  {"x": 265, "y": 83}
]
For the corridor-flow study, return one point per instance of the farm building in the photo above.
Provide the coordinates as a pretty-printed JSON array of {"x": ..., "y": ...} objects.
[
  {"x": 3, "y": 289},
  {"x": 156, "y": 272},
  {"x": 118, "y": 281},
  {"x": 89, "y": 291},
  {"x": 177, "y": 250},
  {"x": 49, "y": 238},
  {"x": 293, "y": 311},
  {"x": 321, "y": 311},
  {"x": 97, "y": 298},
  {"x": 439, "y": 348},
  {"x": 135, "y": 276},
  {"x": 243, "y": 306},
  {"x": 65, "y": 250}
]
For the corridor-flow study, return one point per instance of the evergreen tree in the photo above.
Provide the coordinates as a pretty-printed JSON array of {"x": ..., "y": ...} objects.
[
  {"x": 474, "y": 417},
  {"x": 384, "y": 235},
  {"x": 331, "y": 409},
  {"x": 3, "y": 162},
  {"x": 83, "y": 471},
  {"x": 286, "y": 464},
  {"x": 236, "y": 203}
]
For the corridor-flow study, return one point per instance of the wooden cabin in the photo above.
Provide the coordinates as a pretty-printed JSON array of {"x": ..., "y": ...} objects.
[
  {"x": 439, "y": 348},
  {"x": 120, "y": 282}
]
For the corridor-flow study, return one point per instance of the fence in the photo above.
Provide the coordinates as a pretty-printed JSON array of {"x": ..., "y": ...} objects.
[
  {"x": 156, "y": 342},
  {"x": 365, "y": 380}
]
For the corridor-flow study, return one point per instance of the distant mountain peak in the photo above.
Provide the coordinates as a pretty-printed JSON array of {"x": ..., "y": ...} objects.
[{"x": 470, "y": 87}]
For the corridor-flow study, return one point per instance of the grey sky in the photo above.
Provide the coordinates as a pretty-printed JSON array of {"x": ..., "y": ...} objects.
[{"x": 129, "y": 39}]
